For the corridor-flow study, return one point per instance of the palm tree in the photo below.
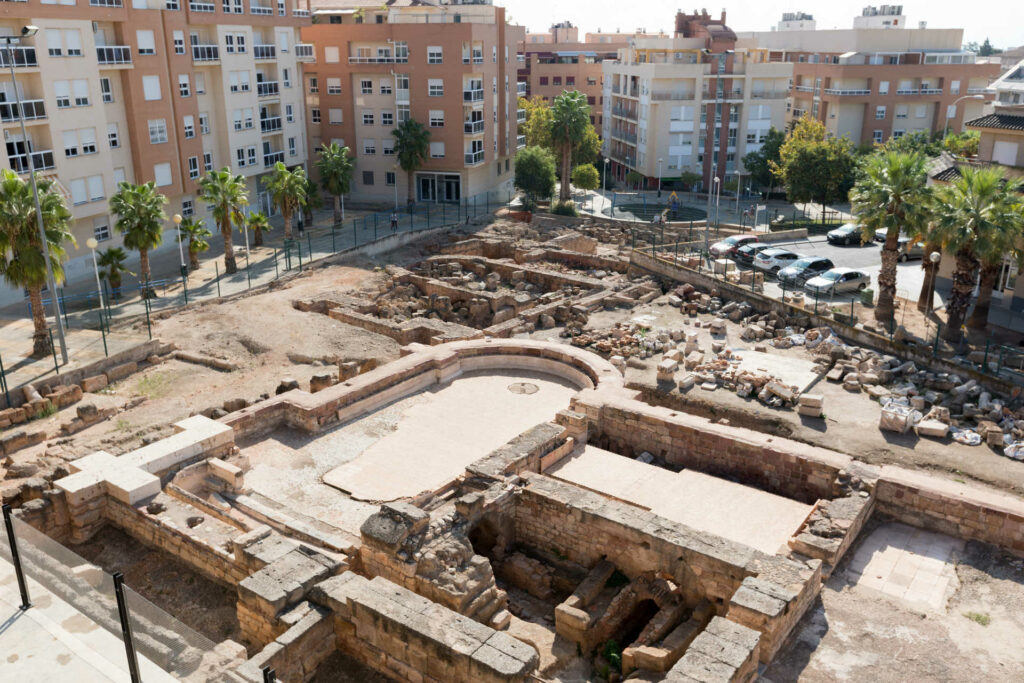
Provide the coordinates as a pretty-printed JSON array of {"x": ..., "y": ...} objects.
[
  {"x": 25, "y": 265},
  {"x": 569, "y": 124},
  {"x": 314, "y": 201},
  {"x": 140, "y": 219},
  {"x": 227, "y": 195},
  {"x": 974, "y": 209},
  {"x": 258, "y": 223},
  {"x": 195, "y": 233},
  {"x": 892, "y": 195},
  {"x": 992, "y": 253},
  {"x": 412, "y": 145},
  {"x": 112, "y": 267},
  {"x": 287, "y": 191},
  {"x": 335, "y": 166}
]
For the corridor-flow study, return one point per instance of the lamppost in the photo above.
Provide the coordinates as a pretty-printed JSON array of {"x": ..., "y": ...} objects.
[
  {"x": 659, "y": 177},
  {"x": 605, "y": 179},
  {"x": 952, "y": 108},
  {"x": 28, "y": 32},
  {"x": 718, "y": 199},
  {"x": 92, "y": 244},
  {"x": 181, "y": 250}
]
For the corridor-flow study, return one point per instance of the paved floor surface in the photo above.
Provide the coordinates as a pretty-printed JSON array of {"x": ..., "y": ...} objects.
[{"x": 740, "y": 513}]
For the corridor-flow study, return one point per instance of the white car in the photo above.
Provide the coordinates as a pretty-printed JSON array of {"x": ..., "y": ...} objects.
[
  {"x": 775, "y": 259},
  {"x": 838, "y": 280}
]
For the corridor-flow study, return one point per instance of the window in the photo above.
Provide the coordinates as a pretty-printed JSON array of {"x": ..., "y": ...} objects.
[
  {"x": 437, "y": 150},
  {"x": 331, "y": 54},
  {"x": 435, "y": 55},
  {"x": 119, "y": 176},
  {"x": 435, "y": 87},
  {"x": 880, "y": 111},
  {"x": 897, "y": 134},
  {"x": 556, "y": 80},
  {"x": 314, "y": 85},
  {"x": 240, "y": 43},
  {"x": 70, "y": 143},
  {"x": 113, "y": 136},
  {"x": 314, "y": 114},
  {"x": 404, "y": 114},
  {"x": 162, "y": 174},
  {"x": 286, "y": 78},
  {"x": 387, "y": 147},
  {"x": 289, "y": 113},
  {"x": 921, "y": 111},
  {"x": 63, "y": 91},
  {"x": 292, "y": 149},
  {"x": 73, "y": 41},
  {"x": 883, "y": 88},
  {"x": 193, "y": 167},
  {"x": 543, "y": 80},
  {"x": 369, "y": 146},
  {"x": 570, "y": 80},
  {"x": 385, "y": 87},
  {"x": 250, "y": 155},
  {"x": 240, "y": 157},
  {"x": 954, "y": 88},
  {"x": 79, "y": 191},
  {"x": 367, "y": 118},
  {"x": 204, "y": 123},
  {"x": 105, "y": 90},
  {"x": 207, "y": 161},
  {"x": 367, "y": 177},
  {"x": 157, "y": 131},
  {"x": 876, "y": 137},
  {"x": 334, "y": 116},
  {"x": 151, "y": 88},
  {"x": 187, "y": 207},
  {"x": 101, "y": 229},
  {"x": 436, "y": 118},
  {"x": 189, "y": 126},
  {"x": 366, "y": 87},
  {"x": 390, "y": 178},
  {"x": 751, "y": 138},
  {"x": 387, "y": 118},
  {"x": 229, "y": 43},
  {"x": 179, "y": 42},
  {"x": 184, "y": 89},
  {"x": 200, "y": 83},
  {"x": 236, "y": 116},
  {"x": 146, "y": 42},
  {"x": 901, "y": 111},
  {"x": 80, "y": 88},
  {"x": 333, "y": 86},
  {"x": 54, "y": 43}
]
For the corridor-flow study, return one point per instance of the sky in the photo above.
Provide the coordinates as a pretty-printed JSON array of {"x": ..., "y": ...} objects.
[{"x": 986, "y": 18}]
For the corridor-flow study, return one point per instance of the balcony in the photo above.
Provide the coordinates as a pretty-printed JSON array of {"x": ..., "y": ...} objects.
[
  {"x": 841, "y": 92},
  {"x": 379, "y": 59},
  {"x": 803, "y": 88},
  {"x": 266, "y": 89},
  {"x": 473, "y": 95},
  {"x": 726, "y": 95},
  {"x": 21, "y": 56},
  {"x": 521, "y": 88},
  {"x": 105, "y": 3},
  {"x": 907, "y": 91},
  {"x": 931, "y": 91},
  {"x": 678, "y": 96},
  {"x": 114, "y": 54},
  {"x": 32, "y": 109},
  {"x": 623, "y": 135},
  {"x": 270, "y": 124},
  {"x": 304, "y": 52},
  {"x": 520, "y": 116},
  {"x": 977, "y": 91},
  {"x": 623, "y": 158},
  {"x": 300, "y": 12},
  {"x": 201, "y": 7},
  {"x": 43, "y": 161},
  {"x": 474, "y": 158},
  {"x": 624, "y": 113},
  {"x": 272, "y": 158},
  {"x": 205, "y": 53},
  {"x": 473, "y": 127},
  {"x": 264, "y": 52},
  {"x": 260, "y": 10},
  {"x": 520, "y": 141},
  {"x": 798, "y": 113}
]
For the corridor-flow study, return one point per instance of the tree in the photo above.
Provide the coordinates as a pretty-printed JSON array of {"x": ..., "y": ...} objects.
[
  {"x": 288, "y": 192},
  {"x": 537, "y": 128},
  {"x": 194, "y": 232},
  {"x": 570, "y": 118},
  {"x": 1001, "y": 240},
  {"x": 962, "y": 144},
  {"x": 258, "y": 223},
  {"x": 588, "y": 149},
  {"x": 535, "y": 173},
  {"x": 227, "y": 195},
  {"x": 412, "y": 145},
  {"x": 586, "y": 177},
  {"x": 689, "y": 178},
  {"x": 140, "y": 219},
  {"x": 335, "y": 166},
  {"x": 314, "y": 201},
  {"x": 759, "y": 162},
  {"x": 815, "y": 167},
  {"x": 892, "y": 195},
  {"x": 986, "y": 49},
  {"x": 973, "y": 208},
  {"x": 633, "y": 179},
  {"x": 111, "y": 264},
  {"x": 25, "y": 265}
]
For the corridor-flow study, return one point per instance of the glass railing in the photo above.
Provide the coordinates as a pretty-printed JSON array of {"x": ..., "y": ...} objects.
[
  {"x": 472, "y": 95},
  {"x": 264, "y": 52},
  {"x": 473, "y": 127},
  {"x": 114, "y": 54},
  {"x": 267, "y": 88},
  {"x": 272, "y": 158},
  {"x": 205, "y": 53},
  {"x": 201, "y": 6},
  {"x": 474, "y": 158},
  {"x": 304, "y": 51},
  {"x": 270, "y": 124},
  {"x": 260, "y": 9},
  {"x": 520, "y": 141},
  {"x": 43, "y": 161},
  {"x": 19, "y": 56},
  {"x": 33, "y": 109}
]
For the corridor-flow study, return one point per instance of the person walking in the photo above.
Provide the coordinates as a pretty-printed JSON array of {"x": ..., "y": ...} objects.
[{"x": 394, "y": 222}]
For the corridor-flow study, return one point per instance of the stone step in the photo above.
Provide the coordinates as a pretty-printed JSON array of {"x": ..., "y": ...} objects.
[
  {"x": 501, "y": 620},
  {"x": 295, "y": 524}
]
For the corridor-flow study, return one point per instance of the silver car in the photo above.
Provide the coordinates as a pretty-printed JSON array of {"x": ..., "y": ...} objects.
[
  {"x": 838, "y": 280},
  {"x": 908, "y": 249}
]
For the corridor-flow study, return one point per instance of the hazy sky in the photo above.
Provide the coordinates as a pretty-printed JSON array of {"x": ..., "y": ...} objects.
[{"x": 985, "y": 18}]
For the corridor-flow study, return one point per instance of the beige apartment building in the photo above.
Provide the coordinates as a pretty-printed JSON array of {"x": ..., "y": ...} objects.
[
  {"x": 697, "y": 102},
  {"x": 452, "y": 67},
  {"x": 150, "y": 90},
  {"x": 873, "y": 84}
]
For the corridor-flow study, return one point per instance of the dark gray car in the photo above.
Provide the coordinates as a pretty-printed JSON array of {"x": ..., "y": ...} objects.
[{"x": 804, "y": 269}]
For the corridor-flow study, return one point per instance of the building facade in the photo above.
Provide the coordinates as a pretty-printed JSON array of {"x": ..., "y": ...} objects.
[
  {"x": 697, "y": 102},
  {"x": 450, "y": 67}
]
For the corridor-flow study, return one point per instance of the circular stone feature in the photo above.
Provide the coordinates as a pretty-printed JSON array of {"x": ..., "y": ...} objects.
[{"x": 523, "y": 388}]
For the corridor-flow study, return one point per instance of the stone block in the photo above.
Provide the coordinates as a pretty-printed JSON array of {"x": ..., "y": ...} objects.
[
  {"x": 225, "y": 471},
  {"x": 119, "y": 372},
  {"x": 813, "y": 400},
  {"x": 687, "y": 381},
  {"x": 932, "y": 428},
  {"x": 809, "y": 411}
]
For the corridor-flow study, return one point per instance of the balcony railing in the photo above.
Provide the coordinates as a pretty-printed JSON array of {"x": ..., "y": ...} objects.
[
  {"x": 205, "y": 53},
  {"x": 842, "y": 92},
  {"x": 520, "y": 141},
  {"x": 260, "y": 9},
  {"x": 473, "y": 127},
  {"x": 264, "y": 52},
  {"x": 472, "y": 95},
  {"x": 389, "y": 59},
  {"x": 803, "y": 88},
  {"x": 931, "y": 91},
  {"x": 272, "y": 158},
  {"x": 105, "y": 3},
  {"x": 202, "y": 7},
  {"x": 521, "y": 88},
  {"x": 270, "y": 124},
  {"x": 907, "y": 91},
  {"x": 114, "y": 54},
  {"x": 624, "y": 113},
  {"x": 300, "y": 12},
  {"x": 304, "y": 52},
  {"x": 797, "y": 113},
  {"x": 474, "y": 158},
  {"x": 33, "y": 109},
  {"x": 681, "y": 95},
  {"x": 20, "y": 56},
  {"x": 623, "y": 135},
  {"x": 266, "y": 88},
  {"x": 43, "y": 161},
  {"x": 768, "y": 95},
  {"x": 726, "y": 94},
  {"x": 520, "y": 116},
  {"x": 623, "y": 158},
  {"x": 976, "y": 91}
]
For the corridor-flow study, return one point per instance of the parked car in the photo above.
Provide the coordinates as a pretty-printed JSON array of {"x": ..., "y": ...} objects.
[
  {"x": 802, "y": 270},
  {"x": 850, "y": 233},
  {"x": 775, "y": 259},
  {"x": 909, "y": 249},
  {"x": 745, "y": 254},
  {"x": 727, "y": 247},
  {"x": 838, "y": 280}
]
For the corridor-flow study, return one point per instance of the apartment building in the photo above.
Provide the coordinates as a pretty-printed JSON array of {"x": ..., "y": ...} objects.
[
  {"x": 150, "y": 90},
  {"x": 697, "y": 102},
  {"x": 873, "y": 84},
  {"x": 452, "y": 67}
]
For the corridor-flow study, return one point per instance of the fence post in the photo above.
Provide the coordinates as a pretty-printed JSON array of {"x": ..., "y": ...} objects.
[
  {"x": 355, "y": 235},
  {"x": 184, "y": 288},
  {"x": 298, "y": 250},
  {"x": 126, "y": 628},
  {"x": 216, "y": 276},
  {"x": 269, "y": 675},
  {"x": 3, "y": 383},
  {"x": 149, "y": 326},
  {"x": 15, "y": 558},
  {"x": 309, "y": 241},
  {"x": 106, "y": 353},
  {"x": 984, "y": 362}
]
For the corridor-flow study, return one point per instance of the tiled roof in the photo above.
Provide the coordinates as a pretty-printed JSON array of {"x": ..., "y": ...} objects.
[
  {"x": 1002, "y": 121},
  {"x": 948, "y": 175}
]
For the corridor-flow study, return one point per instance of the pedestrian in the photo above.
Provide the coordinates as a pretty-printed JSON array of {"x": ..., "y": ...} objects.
[
  {"x": 394, "y": 222},
  {"x": 300, "y": 224}
]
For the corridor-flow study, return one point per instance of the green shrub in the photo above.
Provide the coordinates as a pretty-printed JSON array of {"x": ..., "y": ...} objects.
[{"x": 567, "y": 208}]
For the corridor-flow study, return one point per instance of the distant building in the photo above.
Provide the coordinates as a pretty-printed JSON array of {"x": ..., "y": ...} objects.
[
  {"x": 883, "y": 16},
  {"x": 797, "y": 21}
]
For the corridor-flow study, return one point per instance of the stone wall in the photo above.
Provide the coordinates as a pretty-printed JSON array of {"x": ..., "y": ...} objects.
[{"x": 297, "y": 653}]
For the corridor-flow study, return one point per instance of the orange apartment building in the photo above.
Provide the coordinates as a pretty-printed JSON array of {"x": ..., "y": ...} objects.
[
  {"x": 150, "y": 90},
  {"x": 452, "y": 67}
]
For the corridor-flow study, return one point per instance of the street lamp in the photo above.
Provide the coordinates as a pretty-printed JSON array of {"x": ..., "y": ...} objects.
[
  {"x": 28, "y": 32},
  {"x": 181, "y": 251},
  {"x": 945, "y": 131},
  {"x": 659, "y": 177},
  {"x": 605, "y": 179},
  {"x": 718, "y": 199},
  {"x": 92, "y": 244}
]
